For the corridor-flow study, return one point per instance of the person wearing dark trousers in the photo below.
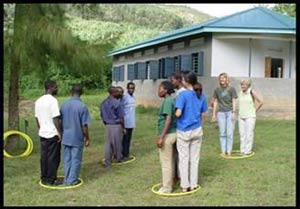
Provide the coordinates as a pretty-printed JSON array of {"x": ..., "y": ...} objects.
[
  {"x": 128, "y": 103},
  {"x": 112, "y": 114},
  {"x": 75, "y": 134},
  {"x": 49, "y": 129}
]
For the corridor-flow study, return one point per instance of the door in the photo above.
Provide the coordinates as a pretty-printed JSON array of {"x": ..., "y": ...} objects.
[
  {"x": 273, "y": 67},
  {"x": 268, "y": 62}
]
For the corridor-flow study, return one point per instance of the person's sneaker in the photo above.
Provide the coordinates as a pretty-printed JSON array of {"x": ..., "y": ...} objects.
[
  {"x": 46, "y": 183},
  {"x": 193, "y": 188},
  {"x": 164, "y": 190},
  {"x": 125, "y": 159},
  {"x": 58, "y": 182},
  {"x": 75, "y": 183},
  {"x": 184, "y": 189}
]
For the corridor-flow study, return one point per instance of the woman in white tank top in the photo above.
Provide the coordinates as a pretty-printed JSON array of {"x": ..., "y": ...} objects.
[{"x": 247, "y": 115}]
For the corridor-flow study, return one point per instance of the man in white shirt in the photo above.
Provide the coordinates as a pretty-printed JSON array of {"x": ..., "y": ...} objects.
[
  {"x": 47, "y": 116},
  {"x": 128, "y": 103}
]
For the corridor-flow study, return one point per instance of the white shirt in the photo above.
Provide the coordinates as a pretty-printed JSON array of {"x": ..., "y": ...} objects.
[
  {"x": 129, "y": 111},
  {"x": 180, "y": 90},
  {"x": 46, "y": 108}
]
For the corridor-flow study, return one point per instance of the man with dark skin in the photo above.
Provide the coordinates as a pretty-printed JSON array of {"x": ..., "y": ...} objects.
[
  {"x": 129, "y": 104},
  {"x": 75, "y": 119},
  {"x": 112, "y": 116},
  {"x": 48, "y": 121}
]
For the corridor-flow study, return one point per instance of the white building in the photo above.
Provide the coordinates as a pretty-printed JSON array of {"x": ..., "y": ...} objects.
[{"x": 256, "y": 43}]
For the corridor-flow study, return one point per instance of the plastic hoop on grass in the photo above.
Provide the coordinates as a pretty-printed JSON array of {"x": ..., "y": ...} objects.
[
  {"x": 121, "y": 163},
  {"x": 155, "y": 187},
  {"x": 237, "y": 157},
  {"x": 24, "y": 136},
  {"x": 61, "y": 187}
]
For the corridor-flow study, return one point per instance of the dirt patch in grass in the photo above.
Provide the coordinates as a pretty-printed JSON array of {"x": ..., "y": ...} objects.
[{"x": 26, "y": 108}]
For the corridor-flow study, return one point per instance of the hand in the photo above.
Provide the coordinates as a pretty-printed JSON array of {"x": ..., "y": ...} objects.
[
  {"x": 59, "y": 138},
  {"x": 124, "y": 131},
  {"x": 86, "y": 141},
  {"x": 159, "y": 142}
]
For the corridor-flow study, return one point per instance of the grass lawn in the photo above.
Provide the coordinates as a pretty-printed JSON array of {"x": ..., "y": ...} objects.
[{"x": 266, "y": 179}]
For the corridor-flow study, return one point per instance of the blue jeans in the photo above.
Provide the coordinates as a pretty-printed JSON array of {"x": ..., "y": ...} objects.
[
  {"x": 72, "y": 163},
  {"x": 226, "y": 128}
]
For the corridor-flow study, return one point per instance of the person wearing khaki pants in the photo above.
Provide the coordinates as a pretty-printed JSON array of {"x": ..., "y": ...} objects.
[
  {"x": 167, "y": 160},
  {"x": 167, "y": 135},
  {"x": 189, "y": 111}
]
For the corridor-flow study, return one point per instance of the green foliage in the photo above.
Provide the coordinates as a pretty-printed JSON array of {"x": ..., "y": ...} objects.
[
  {"x": 69, "y": 42},
  {"x": 286, "y": 9}
]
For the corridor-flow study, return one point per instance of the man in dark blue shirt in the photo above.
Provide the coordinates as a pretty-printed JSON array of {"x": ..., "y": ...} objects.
[
  {"x": 75, "y": 120},
  {"x": 112, "y": 114}
]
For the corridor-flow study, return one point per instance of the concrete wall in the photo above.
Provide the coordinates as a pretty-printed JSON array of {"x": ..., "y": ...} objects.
[
  {"x": 279, "y": 95},
  {"x": 196, "y": 44},
  {"x": 275, "y": 49},
  {"x": 231, "y": 56},
  {"x": 227, "y": 53},
  {"x": 231, "y": 52}
]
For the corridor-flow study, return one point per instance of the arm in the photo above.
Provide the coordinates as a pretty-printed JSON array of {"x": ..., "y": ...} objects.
[
  {"x": 85, "y": 130},
  {"x": 258, "y": 99},
  {"x": 215, "y": 104},
  {"x": 161, "y": 137},
  {"x": 178, "y": 113},
  {"x": 57, "y": 124}
]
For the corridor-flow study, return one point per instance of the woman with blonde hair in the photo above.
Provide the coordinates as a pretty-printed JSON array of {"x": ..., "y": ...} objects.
[
  {"x": 247, "y": 115},
  {"x": 225, "y": 101}
]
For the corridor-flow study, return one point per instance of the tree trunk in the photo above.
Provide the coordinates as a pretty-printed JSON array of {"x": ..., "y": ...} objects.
[
  {"x": 13, "y": 98},
  {"x": 15, "y": 66}
]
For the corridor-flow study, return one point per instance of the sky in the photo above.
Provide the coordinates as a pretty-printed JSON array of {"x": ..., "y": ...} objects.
[{"x": 220, "y": 10}]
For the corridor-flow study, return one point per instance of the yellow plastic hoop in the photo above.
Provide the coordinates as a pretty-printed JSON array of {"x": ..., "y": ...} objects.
[
  {"x": 121, "y": 163},
  {"x": 61, "y": 187},
  {"x": 154, "y": 188},
  {"x": 26, "y": 137},
  {"x": 237, "y": 157}
]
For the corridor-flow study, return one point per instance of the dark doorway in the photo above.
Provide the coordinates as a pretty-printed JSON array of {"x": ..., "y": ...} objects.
[
  {"x": 276, "y": 68},
  {"x": 273, "y": 67}
]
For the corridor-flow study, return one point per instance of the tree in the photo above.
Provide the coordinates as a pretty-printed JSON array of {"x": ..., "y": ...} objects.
[
  {"x": 286, "y": 9},
  {"x": 40, "y": 37}
]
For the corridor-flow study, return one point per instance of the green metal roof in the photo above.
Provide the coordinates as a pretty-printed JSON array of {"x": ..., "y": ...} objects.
[{"x": 255, "y": 20}]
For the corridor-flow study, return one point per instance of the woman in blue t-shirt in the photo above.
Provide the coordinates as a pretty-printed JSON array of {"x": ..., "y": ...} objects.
[{"x": 189, "y": 109}]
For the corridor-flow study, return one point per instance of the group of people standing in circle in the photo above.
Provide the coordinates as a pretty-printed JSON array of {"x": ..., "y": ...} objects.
[
  {"x": 180, "y": 122},
  {"x": 68, "y": 127},
  {"x": 181, "y": 118}
]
